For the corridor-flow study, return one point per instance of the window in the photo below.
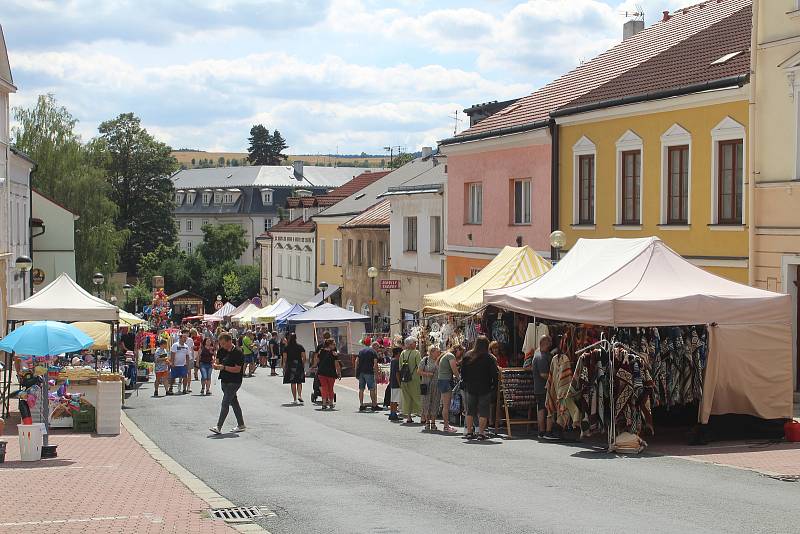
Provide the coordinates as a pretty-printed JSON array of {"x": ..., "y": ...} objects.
[
  {"x": 473, "y": 271},
  {"x": 586, "y": 189},
  {"x": 178, "y": 224},
  {"x": 267, "y": 223},
  {"x": 189, "y": 225},
  {"x": 359, "y": 253},
  {"x": 266, "y": 197},
  {"x": 370, "y": 255},
  {"x": 436, "y": 233},
  {"x": 279, "y": 264},
  {"x": 631, "y": 186},
  {"x": 297, "y": 267},
  {"x": 308, "y": 268},
  {"x": 227, "y": 198},
  {"x": 205, "y": 223},
  {"x": 409, "y": 234},
  {"x": 190, "y": 198},
  {"x": 730, "y": 174},
  {"x": 178, "y": 198},
  {"x": 336, "y": 252},
  {"x": 189, "y": 247},
  {"x": 383, "y": 250},
  {"x": 217, "y": 198},
  {"x": 322, "y": 251},
  {"x": 474, "y": 203},
  {"x": 206, "y": 198},
  {"x": 678, "y": 184},
  {"x": 522, "y": 201},
  {"x": 365, "y": 309},
  {"x": 350, "y": 252}
]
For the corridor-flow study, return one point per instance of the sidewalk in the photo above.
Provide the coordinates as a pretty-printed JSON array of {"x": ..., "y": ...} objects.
[{"x": 97, "y": 484}]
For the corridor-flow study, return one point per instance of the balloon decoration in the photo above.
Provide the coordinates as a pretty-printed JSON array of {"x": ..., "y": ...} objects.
[{"x": 159, "y": 311}]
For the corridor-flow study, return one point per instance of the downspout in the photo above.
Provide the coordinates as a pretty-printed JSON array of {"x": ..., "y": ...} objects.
[
  {"x": 554, "y": 168},
  {"x": 751, "y": 184},
  {"x": 30, "y": 223}
]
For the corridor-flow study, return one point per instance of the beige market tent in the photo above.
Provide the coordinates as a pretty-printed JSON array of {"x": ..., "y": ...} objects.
[
  {"x": 244, "y": 315},
  {"x": 642, "y": 282},
  {"x": 269, "y": 313},
  {"x": 100, "y": 332},
  {"x": 514, "y": 265},
  {"x": 63, "y": 300},
  {"x": 129, "y": 319}
]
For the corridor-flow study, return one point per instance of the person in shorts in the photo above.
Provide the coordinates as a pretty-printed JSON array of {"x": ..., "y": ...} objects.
[
  {"x": 394, "y": 383},
  {"x": 366, "y": 365},
  {"x": 248, "y": 350},
  {"x": 179, "y": 359},
  {"x": 446, "y": 381},
  {"x": 161, "y": 369}
]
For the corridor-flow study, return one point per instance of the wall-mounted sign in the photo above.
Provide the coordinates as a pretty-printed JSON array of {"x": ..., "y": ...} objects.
[
  {"x": 217, "y": 304},
  {"x": 390, "y": 284},
  {"x": 38, "y": 276}
]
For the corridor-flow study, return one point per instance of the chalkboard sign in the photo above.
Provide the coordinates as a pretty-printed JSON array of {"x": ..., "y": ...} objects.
[{"x": 516, "y": 388}]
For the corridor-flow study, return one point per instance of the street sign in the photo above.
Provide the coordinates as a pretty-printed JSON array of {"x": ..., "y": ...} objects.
[
  {"x": 390, "y": 284},
  {"x": 38, "y": 276},
  {"x": 373, "y": 302},
  {"x": 217, "y": 304}
]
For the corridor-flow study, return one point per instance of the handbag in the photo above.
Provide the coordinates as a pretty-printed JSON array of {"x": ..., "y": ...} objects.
[{"x": 423, "y": 389}]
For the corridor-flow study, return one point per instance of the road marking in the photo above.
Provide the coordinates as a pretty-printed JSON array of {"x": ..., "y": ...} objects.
[{"x": 151, "y": 517}]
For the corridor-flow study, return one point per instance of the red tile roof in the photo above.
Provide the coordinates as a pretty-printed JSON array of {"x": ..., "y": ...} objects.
[
  {"x": 685, "y": 64},
  {"x": 612, "y": 63},
  {"x": 375, "y": 217},
  {"x": 340, "y": 193},
  {"x": 296, "y": 226}
]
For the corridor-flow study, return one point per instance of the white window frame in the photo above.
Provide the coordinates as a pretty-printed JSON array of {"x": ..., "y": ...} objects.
[
  {"x": 217, "y": 197},
  {"x": 267, "y": 223},
  {"x": 727, "y": 130},
  {"x": 266, "y": 197},
  {"x": 337, "y": 253},
  {"x": 179, "y": 198},
  {"x": 584, "y": 147},
  {"x": 189, "y": 225},
  {"x": 227, "y": 198},
  {"x": 676, "y": 135},
  {"x": 383, "y": 250},
  {"x": 297, "y": 267},
  {"x": 474, "y": 203},
  {"x": 279, "y": 264},
  {"x": 189, "y": 247},
  {"x": 435, "y": 222},
  {"x": 408, "y": 237},
  {"x": 523, "y": 221},
  {"x": 190, "y": 198},
  {"x": 628, "y": 142},
  {"x": 308, "y": 269},
  {"x": 207, "y": 195},
  {"x": 322, "y": 251}
]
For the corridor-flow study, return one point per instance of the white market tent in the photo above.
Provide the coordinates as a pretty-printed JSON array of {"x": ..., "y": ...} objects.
[
  {"x": 642, "y": 282},
  {"x": 240, "y": 308},
  {"x": 244, "y": 315},
  {"x": 330, "y": 317},
  {"x": 63, "y": 300},
  {"x": 268, "y": 314},
  {"x": 220, "y": 314}
]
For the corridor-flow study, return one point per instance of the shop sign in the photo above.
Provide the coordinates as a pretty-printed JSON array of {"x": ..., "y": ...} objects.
[
  {"x": 38, "y": 276},
  {"x": 217, "y": 304},
  {"x": 390, "y": 284}
]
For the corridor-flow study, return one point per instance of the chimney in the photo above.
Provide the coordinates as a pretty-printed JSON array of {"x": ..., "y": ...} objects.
[
  {"x": 298, "y": 169},
  {"x": 426, "y": 152},
  {"x": 665, "y": 16},
  {"x": 631, "y": 28}
]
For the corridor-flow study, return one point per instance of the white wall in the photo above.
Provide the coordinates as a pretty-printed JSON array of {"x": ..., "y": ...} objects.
[
  {"x": 19, "y": 239},
  {"x": 54, "y": 251},
  {"x": 423, "y": 206},
  {"x": 297, "y": 288}
]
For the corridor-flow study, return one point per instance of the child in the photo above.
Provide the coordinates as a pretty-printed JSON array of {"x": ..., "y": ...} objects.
[
  {"x": 394, "y": 383},
  {"x": 162, "y": 366}
]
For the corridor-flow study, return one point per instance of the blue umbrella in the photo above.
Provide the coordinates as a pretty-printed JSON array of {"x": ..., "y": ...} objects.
[{"x": 46, "y": 338}]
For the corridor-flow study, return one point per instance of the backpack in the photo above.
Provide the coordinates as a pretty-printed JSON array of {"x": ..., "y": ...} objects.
[{"x": 405, "y": 371}]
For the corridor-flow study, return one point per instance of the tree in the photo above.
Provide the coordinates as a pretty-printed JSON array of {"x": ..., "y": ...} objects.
[
  {"x": 138, "y": 168},
  {"x": 221, "y": 161},
  {"x": 278, "y": 145},
  {"x": 66, "y": 171},
  {"x": 222, "y": 243},
  {"x": 266, "y": 148},
  {"x": 249, "y": 279},
  {"x": 192, "y": 162},
  {"x": 401, "y": 160},
  {"x": 139, "y": 293},
  {"x": 231, "y": 286}
]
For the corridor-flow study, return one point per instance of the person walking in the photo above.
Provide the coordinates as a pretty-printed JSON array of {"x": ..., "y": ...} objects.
[
  {"x": 231, "y": 372},
  {"x": 274, "y": 354},
  {"x": 409, "y": 380},
  {"x": 448, "y": 374},
  {"x": 540, "y": 367},
  {"x": 179, "y": 359},
  {"x": 428, "y": 372},
  {"x": 263, "y": 349},
  {"x": 366, "y": 366},
  {"x": 479, "y": 377},
  {"x": 394, "y": 383},
  {"x": 197, "y": 341},
  {"x": 329, "y": 368},
  {"x": 206, "y": 363},
  {"x": 161, "y": 367},
  {"x": 249, "y": 353},
  {"x": 294, "y": 367}
]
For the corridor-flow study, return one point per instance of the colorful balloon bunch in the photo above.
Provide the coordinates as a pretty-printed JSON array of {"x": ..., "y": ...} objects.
[{"x": 159, "y": 311}]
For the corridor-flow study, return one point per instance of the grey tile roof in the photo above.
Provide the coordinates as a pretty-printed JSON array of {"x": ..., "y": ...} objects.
[{"x": 264, "y": 176}]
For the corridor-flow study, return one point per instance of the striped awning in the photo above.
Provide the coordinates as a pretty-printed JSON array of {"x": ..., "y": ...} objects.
[{"x": 514, "y": 265}]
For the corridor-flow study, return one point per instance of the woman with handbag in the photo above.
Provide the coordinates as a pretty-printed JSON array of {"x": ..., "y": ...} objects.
[
  {"x": 428, "y": 372},
  {"x": 479, "y": 376},
  {"x": 409, "y": 380},
  {"x": 446, "y": 380}
]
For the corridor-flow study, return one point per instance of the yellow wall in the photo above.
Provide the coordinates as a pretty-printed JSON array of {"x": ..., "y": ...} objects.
[
  {"x": 699, "y": 239},
  {"x": 328, "y": 272}
]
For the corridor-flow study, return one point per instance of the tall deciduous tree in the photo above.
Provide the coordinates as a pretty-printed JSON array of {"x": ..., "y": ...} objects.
[
  {"x": 222, "y": 243},
  {"x": 66, "y": 171},
  {"x": 138, "y": 168}
]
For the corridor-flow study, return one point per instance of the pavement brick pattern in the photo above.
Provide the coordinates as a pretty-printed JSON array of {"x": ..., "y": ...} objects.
[
  {"x": 97, "y": 484},
  {"x": 770, "y": 458}
]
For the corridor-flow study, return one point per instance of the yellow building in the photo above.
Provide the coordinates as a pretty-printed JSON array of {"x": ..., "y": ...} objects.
[{"x": 661, "y": 150}]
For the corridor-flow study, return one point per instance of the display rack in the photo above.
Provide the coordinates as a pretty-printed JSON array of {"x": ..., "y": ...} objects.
[{"x": 515, "y": 393}]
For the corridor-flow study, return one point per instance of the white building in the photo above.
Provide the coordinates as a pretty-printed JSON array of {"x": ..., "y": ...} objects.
[
  {"x": 53, "y": 240},
  {"x": 292, "y": 246},
  {"x": 19, "y": 228},
  {"x": 417, "y": 228}
]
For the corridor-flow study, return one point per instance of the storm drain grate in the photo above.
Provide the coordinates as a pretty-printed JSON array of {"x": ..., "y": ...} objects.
[{"x": 242, "y": 514}]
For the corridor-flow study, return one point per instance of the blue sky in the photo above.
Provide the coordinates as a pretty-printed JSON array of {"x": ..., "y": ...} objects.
[{"x": 357, "y": 74}]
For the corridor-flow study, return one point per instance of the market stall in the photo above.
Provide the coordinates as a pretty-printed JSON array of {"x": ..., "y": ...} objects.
[
  {"x": 346, "y": 327},
  {"x": 267, "y": 314},
  {"x": 245, "y": 315},
  {"x": 185, "y": 303},
  {"x": 642, "y": 283},
  {"x": 221, "y": 314}
]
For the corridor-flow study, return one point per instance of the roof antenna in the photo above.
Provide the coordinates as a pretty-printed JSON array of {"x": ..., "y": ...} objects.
[
  {"x": 635, "y": 15},
  {"x": 456, "y": 120}
]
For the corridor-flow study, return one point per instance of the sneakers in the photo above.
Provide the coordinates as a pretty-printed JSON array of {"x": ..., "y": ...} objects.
[
  {"x": 394, "y": 417},
  {"x": 300, "y": 400},
  {"x": 237, "y": 428},
  {"x": 156, "y": 394},
  {"x": 215, "y": 430}
]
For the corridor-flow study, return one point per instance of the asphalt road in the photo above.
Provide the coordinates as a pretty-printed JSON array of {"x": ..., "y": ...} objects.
[{"x": 346, "y": 471}]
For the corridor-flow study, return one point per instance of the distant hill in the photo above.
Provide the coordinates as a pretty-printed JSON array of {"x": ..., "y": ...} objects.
[{"x": 193, "y": 159}]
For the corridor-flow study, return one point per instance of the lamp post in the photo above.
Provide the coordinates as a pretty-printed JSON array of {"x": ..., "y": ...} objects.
[
  {"x": 113, "y": 300},
  {"x": 23, "y": 264},
  {"x": 97, "y": 280},
  {"x": 322, "y": 287},
  {"x": 557, "y": 241},
  {"x": 275, "y": 292},
  {"x": 127, "y": 289},
  {"x": 372, "y": 272}
]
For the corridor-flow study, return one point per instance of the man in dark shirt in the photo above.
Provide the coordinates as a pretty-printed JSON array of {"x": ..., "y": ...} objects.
[
  {"x": 274, "y": 353},
  {"x": 540, "y": 367},
  {"x": 231, "y": 370},
  {"x": 366, "y": 369}
]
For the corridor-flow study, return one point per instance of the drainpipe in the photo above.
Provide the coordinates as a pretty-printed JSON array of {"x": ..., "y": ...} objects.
[
  {"x": 554, "y": 159},
  {"x": 751, "y": 185}
]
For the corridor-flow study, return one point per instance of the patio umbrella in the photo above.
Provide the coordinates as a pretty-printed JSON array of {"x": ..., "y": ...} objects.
[{"x": 45, "y": 338}]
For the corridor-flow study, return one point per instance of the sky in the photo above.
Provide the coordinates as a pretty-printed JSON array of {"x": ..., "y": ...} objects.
[{"x": 346, "y": 75}]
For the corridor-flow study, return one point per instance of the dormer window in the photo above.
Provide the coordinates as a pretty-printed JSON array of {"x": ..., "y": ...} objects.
[
  {"x": 266, "y": 197},
  {"x": 179, "y": 197},
  {"x": 302, "y": 193},
  {"x": 190, "y": 197},
  {"x": 206, "y": 198},
  {"x": 218, "y": 196},
  {"x": 227, "y": 198}
]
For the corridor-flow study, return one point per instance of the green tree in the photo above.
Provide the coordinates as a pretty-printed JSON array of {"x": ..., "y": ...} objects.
[
  {"x": 222, "y": 243},
  {"x": 277, "y": 146},
  {"x": 140, "y": 293},
  {"x": 66, "y": 172},
  {"x": 249, "y": 280},
  {"x": 258, "y": 153},
  {"x": 192, "y": 162},
  {"x": 400, "y": 160},
  {"x": 138, "y": 168},
  {"x": 231, "y": 286},
  {"x": 221, "y": 161}
]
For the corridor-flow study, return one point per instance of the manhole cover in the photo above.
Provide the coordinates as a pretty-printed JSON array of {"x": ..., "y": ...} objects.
[{"x": 242, "y": 514}]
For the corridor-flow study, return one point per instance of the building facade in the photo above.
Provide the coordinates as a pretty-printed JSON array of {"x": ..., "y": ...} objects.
[
  {"x": 53, "y": 242},
  {"x": 291, "y": 246},
  {"x": 775, "y": 156}
]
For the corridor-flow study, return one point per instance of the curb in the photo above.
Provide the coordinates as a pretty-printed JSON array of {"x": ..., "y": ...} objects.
[{"x": 194, "y": 484}]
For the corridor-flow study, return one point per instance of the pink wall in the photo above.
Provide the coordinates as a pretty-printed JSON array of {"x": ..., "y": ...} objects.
[{"x": 495, "y": 169}]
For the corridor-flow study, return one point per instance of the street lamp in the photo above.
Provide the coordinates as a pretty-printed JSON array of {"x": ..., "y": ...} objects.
[
  {"x": 275, "y": 292},
  {"x": 113, "y": 300},
  {"x": 97, "y": 280},
  {"x": 23, "y": 264},
  {"x": 557, "y": 241},
  {"x": 322, "y": 287},
  {"x": 372, "y": 272}
]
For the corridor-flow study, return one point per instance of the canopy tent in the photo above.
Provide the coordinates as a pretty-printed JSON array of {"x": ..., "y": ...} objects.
[
  {"x": 514, "y": 265},
  {"x": 244, "y": 315},
  {"x": 63, "y": 300},
  {"x": 295, "y": 309},
  {"x": 330, "y": 291},
  {"x": 346, "y": 327},
  {"x": 328, "y": 313},
  {"x": 642, "y": 282},
  {"x": 129, "y": 318},
  {"x": 225, "y": 311},
  {"x": 268, "y": 314},
  {"x": 240, "y": 308},
  {"x": 99, "y": 332}
]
